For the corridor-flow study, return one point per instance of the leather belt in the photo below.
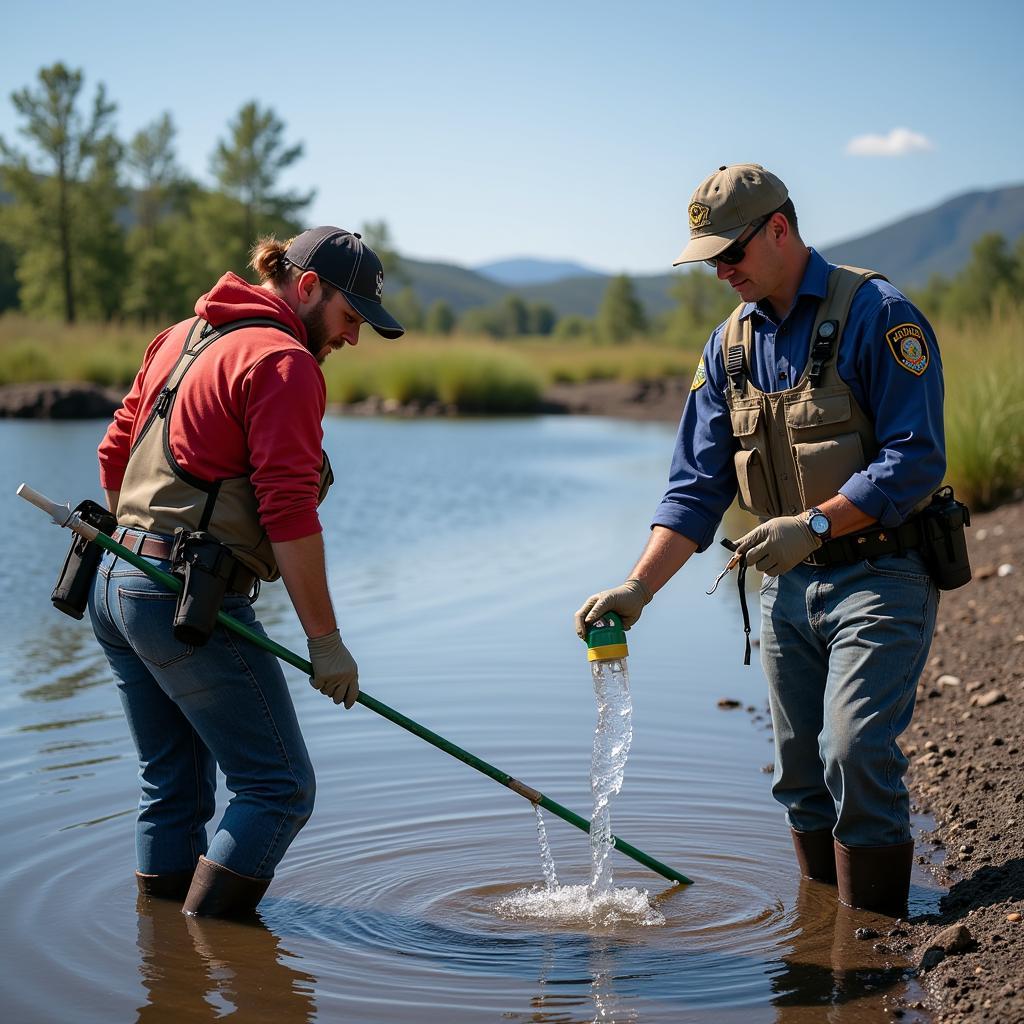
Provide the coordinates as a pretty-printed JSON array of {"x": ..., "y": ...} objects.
[
  {"x": 241, "y": 580},
  {"x": 856, "y": 547}
]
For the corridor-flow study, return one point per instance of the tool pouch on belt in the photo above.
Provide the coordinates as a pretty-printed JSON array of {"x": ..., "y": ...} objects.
[
  {"x": 71, "y": 594},
  {"x": 944, "y": 543},
  {"x": 204, "y": 566}
]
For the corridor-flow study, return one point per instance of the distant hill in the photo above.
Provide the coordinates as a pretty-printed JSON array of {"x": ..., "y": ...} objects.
[
  {"x": 908, "y": 252},
  {"x": 527, "y": 270},
  {"x": 936, "y": 241}
]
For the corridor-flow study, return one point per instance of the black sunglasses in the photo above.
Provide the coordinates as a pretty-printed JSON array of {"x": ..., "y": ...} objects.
[{"x": 735, "y": 253}]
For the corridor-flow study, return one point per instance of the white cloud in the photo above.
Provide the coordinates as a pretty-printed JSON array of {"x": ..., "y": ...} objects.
[{"x": 899, "y": 142}]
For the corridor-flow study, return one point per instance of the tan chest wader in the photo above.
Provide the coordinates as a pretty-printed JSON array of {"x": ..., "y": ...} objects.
[
  {"x": 159, "y": 496},
  {"x": 798, "y": 446}
]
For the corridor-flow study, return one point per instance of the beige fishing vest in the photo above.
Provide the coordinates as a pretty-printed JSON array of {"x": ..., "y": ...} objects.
[
  {"x": 798, "y": 446},
  {"x": 158, "y": 495}
]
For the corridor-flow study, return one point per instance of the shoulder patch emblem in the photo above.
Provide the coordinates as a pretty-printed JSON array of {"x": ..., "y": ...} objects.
[
  {"x": 700, "y": 377},
  {"x": 699, "y": 216},
  {"x": 909, "y": 347}
]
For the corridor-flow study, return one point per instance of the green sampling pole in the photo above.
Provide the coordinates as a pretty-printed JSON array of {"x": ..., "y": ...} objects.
[{"x": 63, "y": 516}]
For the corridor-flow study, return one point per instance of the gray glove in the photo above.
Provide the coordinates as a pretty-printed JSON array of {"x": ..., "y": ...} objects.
[
  {"x": 778, "y": 545},
  {"x": 335, "y": 673},
  {"x": 628, "y": 600}
]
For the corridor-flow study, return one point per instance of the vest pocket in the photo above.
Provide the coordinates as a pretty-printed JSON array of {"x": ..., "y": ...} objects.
[
  {"x": 824, "y": 466},
  {"x": 752, "y": 479},
  {"x": 817, "y": 410}
]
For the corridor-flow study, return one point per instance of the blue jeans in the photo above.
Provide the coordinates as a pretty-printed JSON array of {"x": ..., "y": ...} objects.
[
  {"x": 843, "y": 648},
  {"x": 192, "y": 709}
]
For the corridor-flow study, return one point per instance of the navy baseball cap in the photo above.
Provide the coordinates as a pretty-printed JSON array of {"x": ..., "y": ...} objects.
[{"x": 343, "y": 259}]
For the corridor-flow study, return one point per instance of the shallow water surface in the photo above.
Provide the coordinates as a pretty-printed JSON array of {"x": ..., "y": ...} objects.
[{"x": 458, "y": 552}]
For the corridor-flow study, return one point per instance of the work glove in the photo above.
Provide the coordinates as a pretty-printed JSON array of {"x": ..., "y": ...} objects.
[
  {"x": 778, "y": 545},
  {"x": 335, "y": 673},
  {"x": 628, "y": 600}
]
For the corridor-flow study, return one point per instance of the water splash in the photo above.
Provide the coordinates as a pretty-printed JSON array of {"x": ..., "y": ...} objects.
[
  {"x": 612, "y": 739},
  {"x": 546, "y": 860},
  {"x": 599, "y": 903}
]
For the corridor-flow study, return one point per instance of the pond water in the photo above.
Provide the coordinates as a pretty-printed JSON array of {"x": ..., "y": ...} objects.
[{"x": 457, "y": 554}]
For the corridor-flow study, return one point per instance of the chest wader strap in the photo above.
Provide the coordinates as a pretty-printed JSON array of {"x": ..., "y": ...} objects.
[{"x": 200, "y": 337}]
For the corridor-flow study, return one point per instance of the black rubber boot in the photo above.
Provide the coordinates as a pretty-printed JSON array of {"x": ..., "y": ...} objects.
[
  {"x": 172, "y": 886},
  {"x": 815, "y": 854},
  {"x": 217, "y": 891},
  {"x": 875, "y": 877}
]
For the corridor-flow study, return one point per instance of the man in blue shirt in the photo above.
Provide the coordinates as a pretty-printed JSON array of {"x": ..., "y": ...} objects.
[{"x": 819, "y": 402}]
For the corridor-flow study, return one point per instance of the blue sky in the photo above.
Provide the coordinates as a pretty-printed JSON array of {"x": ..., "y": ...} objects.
[{"x": 564, "y": 129}]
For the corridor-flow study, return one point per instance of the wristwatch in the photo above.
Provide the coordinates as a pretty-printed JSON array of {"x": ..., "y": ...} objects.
[{"x": 819, "y": 524}]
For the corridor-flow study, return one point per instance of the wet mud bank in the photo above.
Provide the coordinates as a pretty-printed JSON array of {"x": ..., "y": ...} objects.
[{"x": 966, "y": 748}]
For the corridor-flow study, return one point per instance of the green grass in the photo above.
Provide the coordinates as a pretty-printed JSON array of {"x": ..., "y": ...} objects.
[
  {"x": 984, "y": 378},
  {"x": 983, "y": 370}
]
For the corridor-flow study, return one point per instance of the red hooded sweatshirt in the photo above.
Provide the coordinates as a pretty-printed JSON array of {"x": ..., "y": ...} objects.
[{"x": 250, "y": 405}]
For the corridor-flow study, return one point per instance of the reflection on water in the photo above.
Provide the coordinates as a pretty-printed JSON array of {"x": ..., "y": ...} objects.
[
  {"x": 196, "y": 969},
  {"x": 383, "y": 910}
]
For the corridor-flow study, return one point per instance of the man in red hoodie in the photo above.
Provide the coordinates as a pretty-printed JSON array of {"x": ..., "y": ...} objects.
[{"x": 221, "y": 434}]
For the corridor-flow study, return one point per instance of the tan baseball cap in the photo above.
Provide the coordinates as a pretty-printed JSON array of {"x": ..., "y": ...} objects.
[{"x": 724, "y": 204}]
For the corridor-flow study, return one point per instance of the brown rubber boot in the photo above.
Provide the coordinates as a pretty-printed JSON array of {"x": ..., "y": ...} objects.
[
  {"x": 172, "y": 886},
  {"x": 217, "y": 891},
  {"x": 875, "y": 877},
  {"x": 815, "y": 854}
]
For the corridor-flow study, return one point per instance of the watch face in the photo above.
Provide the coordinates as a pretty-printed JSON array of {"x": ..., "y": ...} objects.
[{"x": 819, "y": 524}]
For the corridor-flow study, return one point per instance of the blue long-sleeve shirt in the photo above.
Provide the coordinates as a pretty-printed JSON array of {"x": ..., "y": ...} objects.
[{"x": 903, "y": 400}]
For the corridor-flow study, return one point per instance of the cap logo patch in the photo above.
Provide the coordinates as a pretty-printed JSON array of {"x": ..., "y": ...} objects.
[
  {"x": 700, "y": 377},
  {"x": 380, "y": 282},
  {"x": 700, "y": 216},
  {"x": 909, "y": 348}
]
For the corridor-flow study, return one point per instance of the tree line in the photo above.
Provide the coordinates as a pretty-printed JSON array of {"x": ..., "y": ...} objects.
[{"x": 97, "y": 227}]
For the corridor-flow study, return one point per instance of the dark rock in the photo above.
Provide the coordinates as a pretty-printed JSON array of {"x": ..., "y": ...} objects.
[
  {"x": 58, "y": 400},
  {"x": 866, "y": 933},
  {"x": 728, "y": 702}
]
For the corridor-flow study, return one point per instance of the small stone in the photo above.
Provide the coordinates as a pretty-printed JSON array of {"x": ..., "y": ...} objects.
[
  {"x": 932, "y": 958},
  {"x": 967, "y": 848},
  {"x": 948, "y": 680},
  {"x": 1004, "y": 570},
  {"x": 1013, "y": 918},
  {"x": 729, "y": 702},
  {"x": 988, "y": 699},
  {"x": 996, "y": 741},
  {"x": 931, "y": 745},
  {"x": 955, "y": 939},
  {"x": 866, "y": 933},
  {"x": 974, "y": 686},
  {"x": 971, "y": 823}
]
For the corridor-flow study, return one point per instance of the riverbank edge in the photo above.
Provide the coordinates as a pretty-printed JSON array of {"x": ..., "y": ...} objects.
[
  {"x": 965, "y": 747},
  {"x": 659, "y": 399}
]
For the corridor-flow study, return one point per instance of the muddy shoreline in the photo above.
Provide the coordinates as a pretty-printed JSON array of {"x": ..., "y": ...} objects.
[{"x": 966, "y": 747}]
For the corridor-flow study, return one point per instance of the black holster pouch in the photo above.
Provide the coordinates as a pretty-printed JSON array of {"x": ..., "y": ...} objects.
[
  {"x": 204, "y": 566},
  {"x": 71, "y": 594},
  {"x": 944, "y": 543}
]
